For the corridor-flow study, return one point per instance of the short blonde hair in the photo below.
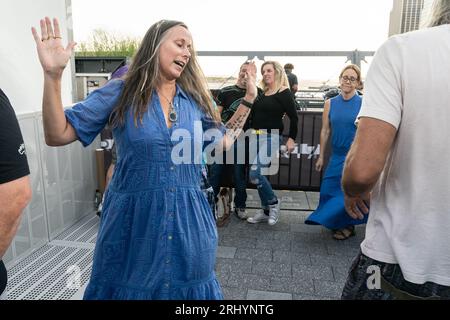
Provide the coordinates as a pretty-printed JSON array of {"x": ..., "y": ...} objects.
[{"x": 353, "y": 67}]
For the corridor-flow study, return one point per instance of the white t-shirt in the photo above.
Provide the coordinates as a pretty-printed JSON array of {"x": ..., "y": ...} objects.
[{"x": 408, "y": 86}]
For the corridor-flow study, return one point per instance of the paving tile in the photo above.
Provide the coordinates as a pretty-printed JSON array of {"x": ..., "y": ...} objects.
[
  {"x": 340, "y": 273},
  {"x": 338, "y": 249},
  {"x": 237, "y": 242},
  {"x": 226, "y": 252},
  {"x": 316, "y": 237},
  {"x": 304, "y": 228},
  {"x": 233, "y": 265},
  {"x": 248, "y": 281},
  {"x": 328, "y": 288},
  {"x": 274, "y": 244},
  {"x": 280, "y": 226},
  {"x": 309, "y": 246},
  {"x": 234, "y": 293},
  {"x": 222, "y": 277},
  {"x": 268, "y": 295},
  {"x": 313, "y": 199},
  {"x": 331, "y": 260},
  {"x": 290, "y": 284},
  {"x": 312, "y": 272},
  {"x": 293, "y": 218},
  {"x": 291, "y": 257},
  {"x": 254, "y": 254},
  {"x": 280, "y": 235},
  {"x": 272, "y": 269}
]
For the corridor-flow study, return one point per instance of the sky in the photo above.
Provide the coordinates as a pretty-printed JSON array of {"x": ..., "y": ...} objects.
[{"x": 280, "y": 25}]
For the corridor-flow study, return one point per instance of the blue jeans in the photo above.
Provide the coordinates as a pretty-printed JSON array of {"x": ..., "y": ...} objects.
[
  {"x": 240, "y": 183},
  {"x": 208, "y": 191},
  {"x": 266, "y": 146}
]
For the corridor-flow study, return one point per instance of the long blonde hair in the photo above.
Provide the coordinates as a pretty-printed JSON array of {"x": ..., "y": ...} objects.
[
  {"x": 281, "y": 79},
  {"x": 439, "y": 15},
  {"x": 144, "y": 75}
]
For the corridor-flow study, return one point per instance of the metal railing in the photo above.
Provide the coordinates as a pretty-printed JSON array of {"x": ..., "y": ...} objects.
[{"x": 354, "y": 56}]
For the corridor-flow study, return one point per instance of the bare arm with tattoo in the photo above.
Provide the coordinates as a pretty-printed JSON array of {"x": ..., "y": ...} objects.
[{"x": 235, "y": 125}]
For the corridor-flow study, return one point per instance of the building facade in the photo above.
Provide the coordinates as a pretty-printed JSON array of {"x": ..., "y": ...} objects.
[
  {"x": 405, "y": 16},
  {"x": 426, "y": 11}
]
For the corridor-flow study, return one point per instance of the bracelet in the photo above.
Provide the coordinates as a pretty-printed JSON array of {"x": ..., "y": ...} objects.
[{"x": 246, "y": 103}]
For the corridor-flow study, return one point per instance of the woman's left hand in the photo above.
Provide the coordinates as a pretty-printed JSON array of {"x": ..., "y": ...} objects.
[{"x": 290, "y": 144}]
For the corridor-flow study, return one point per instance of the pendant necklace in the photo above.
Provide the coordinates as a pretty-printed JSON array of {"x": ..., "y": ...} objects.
[{"x": 173, "y": 116}]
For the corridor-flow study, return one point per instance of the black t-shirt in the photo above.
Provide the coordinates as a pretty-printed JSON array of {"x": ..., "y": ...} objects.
[
  {"x": 230, "y": 98},
  {"x": 13, "y": 158},
  {"x": 268, "y": 112}
]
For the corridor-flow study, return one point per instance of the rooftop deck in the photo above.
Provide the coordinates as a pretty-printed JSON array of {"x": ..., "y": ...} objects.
[{"x": 287, "y": 261}]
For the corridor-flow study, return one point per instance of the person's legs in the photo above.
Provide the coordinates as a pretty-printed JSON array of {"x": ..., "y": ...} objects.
[
  {"x": 240, "y": 187},
  {"x": 265, "y": 191},
  {"x": 214, "y": 176},
  {"x": 208, "y": 192}
]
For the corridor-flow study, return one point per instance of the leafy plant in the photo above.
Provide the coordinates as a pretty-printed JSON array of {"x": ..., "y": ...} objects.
[{"x": 105, "y": 44}]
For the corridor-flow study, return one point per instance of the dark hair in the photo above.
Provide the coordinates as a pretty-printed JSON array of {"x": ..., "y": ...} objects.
[{"x": 143, "y": 77}]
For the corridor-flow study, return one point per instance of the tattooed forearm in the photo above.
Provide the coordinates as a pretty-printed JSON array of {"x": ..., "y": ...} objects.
[{"x": 234, "y": 125}]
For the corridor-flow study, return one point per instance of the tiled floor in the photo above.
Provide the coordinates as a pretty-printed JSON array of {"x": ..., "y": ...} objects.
[
  {"x": 287, "y": 261},
  {"x": 290, "y": 260}
]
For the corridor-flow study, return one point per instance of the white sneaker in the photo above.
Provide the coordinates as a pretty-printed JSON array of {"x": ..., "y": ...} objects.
[
  {"x": 241, "y": 213},
  {"x": 260, "y": 216},
  {"x": 274, "y": 213}
]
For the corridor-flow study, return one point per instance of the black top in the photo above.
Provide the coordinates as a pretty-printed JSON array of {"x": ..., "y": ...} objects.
[
  {"x": 292, "y": 78},
  {"x": 230, "y": 98},
  {"x": 268, "y": 112},
  {"x": 13, "y": 159}
]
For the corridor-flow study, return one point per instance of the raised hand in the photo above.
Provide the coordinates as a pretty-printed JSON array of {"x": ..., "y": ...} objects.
[
  {"x": 52, "y": 55},
  {"x": 250, "y": 79}
]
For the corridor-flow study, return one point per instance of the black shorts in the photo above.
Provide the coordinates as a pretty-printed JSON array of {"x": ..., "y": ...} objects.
[{"x": 3, "y": 277}]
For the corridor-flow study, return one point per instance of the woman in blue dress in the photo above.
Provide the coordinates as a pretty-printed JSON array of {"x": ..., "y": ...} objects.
[
  {"x": 338, "y": 117},
  {"x": 157, "y": 237}
]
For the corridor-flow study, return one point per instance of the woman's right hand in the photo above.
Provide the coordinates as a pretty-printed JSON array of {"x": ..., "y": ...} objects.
[
  {"x": 52, "y": 55},
  {"x": 319, "y": 164}
]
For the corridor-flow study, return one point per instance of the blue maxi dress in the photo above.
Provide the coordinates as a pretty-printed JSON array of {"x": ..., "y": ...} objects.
[
  {"x": 331, "y": 210},
  {"x": 157, "y": 237}
]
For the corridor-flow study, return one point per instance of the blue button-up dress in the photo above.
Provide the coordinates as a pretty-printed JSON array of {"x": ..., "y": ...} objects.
[
  {"x": 157, "y": 237},
  {"x": 331, "y": 211}
]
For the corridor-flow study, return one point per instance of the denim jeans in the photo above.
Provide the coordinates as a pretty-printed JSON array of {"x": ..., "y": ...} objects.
[
  {"x": 267, "y": 146},
  {"x": 361, "y": 274},
  {"x": 240, "y": 183},
  {"x": 208, "y": 191}
]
